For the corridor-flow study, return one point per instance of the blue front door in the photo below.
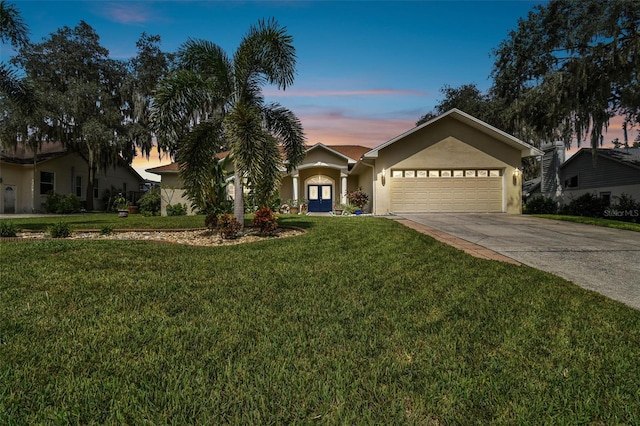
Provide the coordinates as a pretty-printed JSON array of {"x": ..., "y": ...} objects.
[{"x": 320, "y": 198}]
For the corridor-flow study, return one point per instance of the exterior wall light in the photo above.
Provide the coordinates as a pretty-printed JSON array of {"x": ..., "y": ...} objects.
[
  {"x": 384, "y": 176},
  {"x": 516, "y": 175}
]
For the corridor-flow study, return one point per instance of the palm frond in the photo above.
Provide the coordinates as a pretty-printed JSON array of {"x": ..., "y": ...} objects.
[
  {"x": 283, "y": 124},
  {"x": 181, "y": 101},
  {"x": 196, "y": 158},
  {"x": 265, "y": 55},
  {"x": 209, "y": 61},
  {"x": 17, "y": 90}
]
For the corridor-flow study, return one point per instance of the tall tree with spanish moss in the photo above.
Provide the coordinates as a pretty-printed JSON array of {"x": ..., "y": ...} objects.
[
  {"x": 571, "y": 66},
  {"x": 214, "y": 102}
]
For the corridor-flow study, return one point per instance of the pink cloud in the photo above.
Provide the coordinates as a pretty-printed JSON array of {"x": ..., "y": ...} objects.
[
  {"x": 333, "y": 127},
  {"x": 126, "y": 13}
]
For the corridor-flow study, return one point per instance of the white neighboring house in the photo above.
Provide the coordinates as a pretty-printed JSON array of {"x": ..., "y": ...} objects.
[{"x": 59, "y": 170}]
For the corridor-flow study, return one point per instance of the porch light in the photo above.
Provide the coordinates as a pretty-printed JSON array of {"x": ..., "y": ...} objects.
[{"x": 384, "y": 175}]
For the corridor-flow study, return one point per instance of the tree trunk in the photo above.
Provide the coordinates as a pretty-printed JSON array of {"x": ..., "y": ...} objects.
[
  {"x": 238, "y": 199},
  {"x": 89, "y": 195},
  {"x": 33, "y": 182}
]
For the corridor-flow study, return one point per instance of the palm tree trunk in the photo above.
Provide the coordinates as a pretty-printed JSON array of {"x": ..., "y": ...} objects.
[{"x": 238, "y": 199}]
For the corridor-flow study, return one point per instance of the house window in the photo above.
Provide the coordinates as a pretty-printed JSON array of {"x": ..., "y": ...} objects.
[
  {"x": 79, "y": 186},
  {"x": 96, "y": 189},
  {"x": 606, "y": 198},
  {"x": 572, "y": 182},
  {"x": 46, "y": 182}
]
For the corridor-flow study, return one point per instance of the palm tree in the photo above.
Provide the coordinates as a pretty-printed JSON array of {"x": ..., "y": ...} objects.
[{"x": 213, "y": 102}]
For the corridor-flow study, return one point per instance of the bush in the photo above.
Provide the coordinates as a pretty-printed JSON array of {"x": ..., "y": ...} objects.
[
  {"x": 149, "y": 203},
  {"x": 106, "y": 230},
  {"x": 211, "y": 220},
  {"x": 358, "y": 198},
  {"x": 61, "y": 204},
  {"x": 588, "y": 205},
  {"x": 541, "y": 205},
  {"x": 265, "y": 221},
  {"x": 60, "y": 230},
  {"x": 8, "y": 229},
  {"x": 228, "y": 226},
  {"x": 177, "y": 209}
]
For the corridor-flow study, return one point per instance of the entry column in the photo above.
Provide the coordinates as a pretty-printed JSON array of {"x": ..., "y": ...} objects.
[
  {"x": 343, "y": 190},
  {"x": 295, "y": 187}
]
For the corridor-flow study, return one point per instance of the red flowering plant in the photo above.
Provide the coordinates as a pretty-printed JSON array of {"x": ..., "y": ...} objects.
[
  {"x": 358, "y": 198},
  {"x": 266, "y": 221}
]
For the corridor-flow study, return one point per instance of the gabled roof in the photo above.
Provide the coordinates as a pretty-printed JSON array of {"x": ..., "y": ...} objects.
[
  {"x": 618, "y": 155},
  {"x": 175, "y": 167},
  {"x": 525, "y": 149},
  {"x": 49, "y": 151},
  {"x": 167, "y": 168},
  {"x": 22, "y": 155},
  {"x": 351, "y": 153}
]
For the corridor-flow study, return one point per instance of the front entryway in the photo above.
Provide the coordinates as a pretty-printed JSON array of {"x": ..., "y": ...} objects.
[
  {"x": 10, "y": 199},
  {"x": 320, "y": 198}
]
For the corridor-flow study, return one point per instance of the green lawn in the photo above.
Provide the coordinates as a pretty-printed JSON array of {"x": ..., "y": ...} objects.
[
  {"x": 594, "y": 221},
  {"x": 359, "y": 321}
]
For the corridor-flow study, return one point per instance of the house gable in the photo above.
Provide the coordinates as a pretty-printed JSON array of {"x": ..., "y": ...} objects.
[
  {"x": 438, "y": 131},
  {"x": 607, "y": 171},
  {"x": 320, "y": 154}
]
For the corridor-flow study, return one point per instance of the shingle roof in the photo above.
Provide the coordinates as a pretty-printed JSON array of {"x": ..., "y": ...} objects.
[
  {"x": 23, "y": 155},
  {"x": 631, "y": 158},
  {"x": 355, "y": 152}
]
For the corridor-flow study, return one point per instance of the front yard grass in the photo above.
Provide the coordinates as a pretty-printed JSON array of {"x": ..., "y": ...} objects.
[
  {"x": 359, "y": 321},
  {"x": 609, "y": 223}
]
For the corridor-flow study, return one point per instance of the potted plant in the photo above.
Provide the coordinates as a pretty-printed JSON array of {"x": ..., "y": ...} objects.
[
  {"x": 359, "y": 199},
  {"x": 303, "y": 205},
  {"x": 349, "y": 209},
  {"x": 338, "y": 209},
  {"x": 122, "y": 205},
  {"x": 292, "y": 206}
]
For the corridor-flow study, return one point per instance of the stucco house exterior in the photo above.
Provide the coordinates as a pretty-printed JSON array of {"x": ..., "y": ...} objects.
[
  {"x": 57, "y": 170},
  {"x": 453, "y": 163}
]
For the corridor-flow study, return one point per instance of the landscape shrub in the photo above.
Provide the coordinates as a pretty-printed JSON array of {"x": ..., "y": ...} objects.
[
  {"x": 8, "y": 229},
  {"x": 60, "y": 230},
  {"x": 358, "y": 198},
  {"x": 106, "y": 230},
  {"x": 211, "y": 220},
  {"x": 588, "y": 205},
  {"x": 541, "y": 205},
  {"x": 228, "y": 226},
  {"x": 61, "y": 204},
  {"x": 149, "y": 203},
  {"x": 265, "y": 220},
  {"x": 177, "y": 209}
]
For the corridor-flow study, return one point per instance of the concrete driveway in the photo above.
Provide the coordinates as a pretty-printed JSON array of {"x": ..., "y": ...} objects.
[{"x": 601, "y": 259}]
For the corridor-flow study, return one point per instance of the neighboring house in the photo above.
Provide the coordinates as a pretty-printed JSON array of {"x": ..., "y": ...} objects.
[
  {"x": 453, "y": 163},
  {"x": 612, "y": 173},
  {"x": 60, "y": 171},
  {"x": 549, "y": 183}
]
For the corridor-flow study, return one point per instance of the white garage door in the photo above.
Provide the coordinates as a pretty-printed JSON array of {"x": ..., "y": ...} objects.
[{"x": 446, "y": 191}]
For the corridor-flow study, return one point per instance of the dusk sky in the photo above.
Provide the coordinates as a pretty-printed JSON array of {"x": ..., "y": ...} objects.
[{"x": 367, "y": 70}]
